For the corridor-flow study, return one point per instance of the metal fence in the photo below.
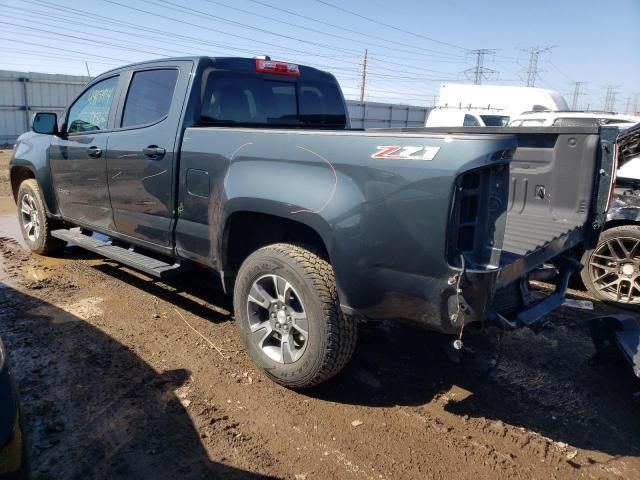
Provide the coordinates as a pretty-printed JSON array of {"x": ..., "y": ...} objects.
[
  {"x": 24, "y": 93},
  {"x": 385, "y": 115}
]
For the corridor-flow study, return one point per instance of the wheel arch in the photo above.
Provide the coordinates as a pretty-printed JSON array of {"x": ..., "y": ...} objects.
[
  {"x": 21, "y": 171},
  {"x": 245, "y": 231}
]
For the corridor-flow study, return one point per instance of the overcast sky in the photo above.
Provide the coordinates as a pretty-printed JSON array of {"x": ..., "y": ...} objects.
[{"x": 413, "y": 46}]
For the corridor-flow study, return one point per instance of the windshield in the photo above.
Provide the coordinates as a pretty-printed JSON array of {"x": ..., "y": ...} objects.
[
  {"x": 253, "y": 100},
  {"x": 495, "y": 120}
]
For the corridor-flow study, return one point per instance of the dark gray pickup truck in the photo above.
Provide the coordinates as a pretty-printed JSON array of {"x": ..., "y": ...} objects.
[{"x": 248, "y": 167}]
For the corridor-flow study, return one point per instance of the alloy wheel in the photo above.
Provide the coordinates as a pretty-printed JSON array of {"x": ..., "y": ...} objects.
[
  {"x": 614, "y": 268},
  {"x": 277, "y": 319},
  {"x": 30, "y": 218}
]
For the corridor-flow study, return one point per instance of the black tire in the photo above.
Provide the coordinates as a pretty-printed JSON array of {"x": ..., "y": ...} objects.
[
  {"x": 614, "y": 261},
  {"x": 38, "y": 238},
  {"x": 331, "y": 337}
]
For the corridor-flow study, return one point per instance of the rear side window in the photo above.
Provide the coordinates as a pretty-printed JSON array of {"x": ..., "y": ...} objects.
[
  {"x": 470, "y": 121},
  {"x": 149, "y": 97},
  {"x": 576, "y": 122},
  {"x": 91, "y": 111},
  {"x": 252, "y": 100},
  {"x": 495, "y": 120}
]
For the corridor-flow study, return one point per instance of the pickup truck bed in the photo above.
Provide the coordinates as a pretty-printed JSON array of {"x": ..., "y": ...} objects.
[{"x": 553, "y": 197}]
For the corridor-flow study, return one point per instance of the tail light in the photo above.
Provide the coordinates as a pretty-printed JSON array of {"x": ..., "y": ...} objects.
[
  {"x": 614, "y": 175},
  {"x": 277, "y": 68}
]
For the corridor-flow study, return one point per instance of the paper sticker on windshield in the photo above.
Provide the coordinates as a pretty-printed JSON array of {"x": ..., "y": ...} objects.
[{"x": 396, "y": 152}]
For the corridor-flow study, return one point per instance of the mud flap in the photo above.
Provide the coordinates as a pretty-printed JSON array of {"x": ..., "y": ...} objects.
[{"x": 621, "y": 332}]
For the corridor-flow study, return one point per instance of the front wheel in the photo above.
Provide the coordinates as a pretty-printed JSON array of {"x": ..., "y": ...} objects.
[
  {"x": 612, "y": 269},
  {"x": 35, "y": 225},
  {"x": 288, "y": 315}
]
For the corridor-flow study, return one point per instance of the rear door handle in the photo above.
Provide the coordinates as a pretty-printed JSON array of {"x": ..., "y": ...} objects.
[
  {"x": 94, "y": 152},
  {"x": 153, "y": 152}
]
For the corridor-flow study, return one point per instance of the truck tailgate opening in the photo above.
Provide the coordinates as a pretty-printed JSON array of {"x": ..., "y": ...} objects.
[
  {"x": 550, "y": 191},
  {"x": 559, "y": 184}
]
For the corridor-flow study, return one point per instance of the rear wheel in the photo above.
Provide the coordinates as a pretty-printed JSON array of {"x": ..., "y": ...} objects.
[
  {"x": 612, "y": 269},
  {"x": 35, "y": 225},
  {"x": 289, "y": 317}
]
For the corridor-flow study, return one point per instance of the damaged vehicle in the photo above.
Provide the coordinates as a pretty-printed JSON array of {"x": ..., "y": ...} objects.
[
  {"x": 249, "y": 168},
  {"x": 612, "y": 268}
]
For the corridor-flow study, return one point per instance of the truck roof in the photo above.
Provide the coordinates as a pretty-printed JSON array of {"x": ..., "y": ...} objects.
[{"x": 241, "y": 64}]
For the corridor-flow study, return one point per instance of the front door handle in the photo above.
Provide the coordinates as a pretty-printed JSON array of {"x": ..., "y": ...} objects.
[
  {"x": 94, "y": 152},
  {"x": 154, "y": 152}
]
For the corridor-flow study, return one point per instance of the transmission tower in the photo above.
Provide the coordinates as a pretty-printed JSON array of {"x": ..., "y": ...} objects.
[
  {"x": 480, "y": 71},
  {"x": 577, "y": 93},
  {"x": 534, "y": 55},
  {"x": 610, "y": 98},
  {"x": 636, "y": 106}
]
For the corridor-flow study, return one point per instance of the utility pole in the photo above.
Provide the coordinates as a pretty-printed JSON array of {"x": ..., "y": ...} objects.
[
  {"x": 86, "y": 64},
  {"x": 363, "y": 82},
  {"x": 610, "y": 98},
  {"x": 576, "y": 94},
  {"x": 479, "y": 71},
  {"x": 534, "y": 55}
]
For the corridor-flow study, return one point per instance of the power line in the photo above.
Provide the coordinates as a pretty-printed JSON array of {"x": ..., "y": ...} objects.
[
  {"x": 560, "y": 71},
  {"x": 389, "y": 26},
  {"x": 139, "y": 28},
  {"x": 350, "y": 30},
  {"x": 309, "y": 29},
  {"x": 479, "y": 71}
]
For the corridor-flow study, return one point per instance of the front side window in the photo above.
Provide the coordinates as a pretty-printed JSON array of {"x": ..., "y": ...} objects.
[
  {"x": 149, "y": 97},
  {"x": 91, "y": 111}
]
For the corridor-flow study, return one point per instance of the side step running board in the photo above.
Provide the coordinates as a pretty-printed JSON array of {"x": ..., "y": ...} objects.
[{"x": 149, "y": 265}]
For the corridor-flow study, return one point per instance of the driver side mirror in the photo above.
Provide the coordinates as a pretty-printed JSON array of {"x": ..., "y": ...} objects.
[{"x": 46, "y": 123}]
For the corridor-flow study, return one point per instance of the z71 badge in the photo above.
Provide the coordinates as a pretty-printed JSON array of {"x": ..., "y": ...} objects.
[{"x": 396, "y": 152}]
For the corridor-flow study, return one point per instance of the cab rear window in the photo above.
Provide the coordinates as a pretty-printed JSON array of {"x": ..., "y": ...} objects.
[{"x": 252, "y": 100}]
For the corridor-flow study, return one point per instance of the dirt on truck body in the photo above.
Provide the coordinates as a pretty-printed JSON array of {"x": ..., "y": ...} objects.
[{"x": 122, "y": 376}]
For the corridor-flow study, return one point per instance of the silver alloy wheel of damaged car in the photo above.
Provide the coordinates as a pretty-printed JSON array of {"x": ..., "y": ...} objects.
[
  {"x": 612, "y": 269},
  {"x": 277, "y": 319},
  {"x": 30, "y": 221},
  {"x": 289, "y": 317},
  {"x": 36, "y": 226}
]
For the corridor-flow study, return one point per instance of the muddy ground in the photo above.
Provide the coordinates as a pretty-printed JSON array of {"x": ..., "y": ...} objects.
[{"x": 125, "y": 377}]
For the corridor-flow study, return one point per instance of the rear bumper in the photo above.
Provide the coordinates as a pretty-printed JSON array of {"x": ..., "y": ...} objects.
[
  {"x": 433, "y": 302},
  {"x": 426, "y": 301}
]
